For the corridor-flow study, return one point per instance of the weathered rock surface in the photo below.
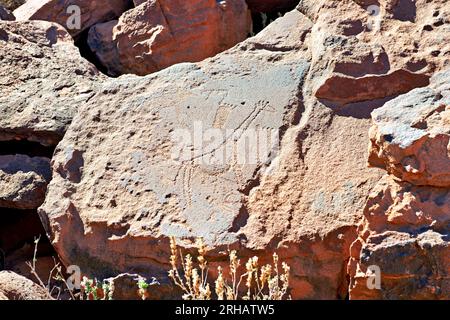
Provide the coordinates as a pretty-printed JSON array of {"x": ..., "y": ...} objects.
[
  {"x": 62, "y": 12},
  {"x": 23, "y": 181},
  {"x": 361, "y": 57},
  {"x": 158, "y": 34},
  {"x": 410, "y": 137},
  {"x": 405, "y": 235},
  {"x": 16, "y": 287},
  {"x": 5, "y": 14},
  {"x": 113, "y": 214},
  {"x": 43, "y": 81}
]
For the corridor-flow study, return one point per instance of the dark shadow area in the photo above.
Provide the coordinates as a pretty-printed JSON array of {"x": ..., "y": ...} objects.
[
  {"x": 29, "y": 148},
  {"x": 81, "y": 41},
  {"x": 262, "y": 20},
  {"x": 271, "y": 5},
  {"x": 405, "y": 10},
  {"x": 85, "y": 51},
  {"x": 264, "y": 13},
  {"x": 20, "y": 227},
  {"x": 358, "y": 110}
]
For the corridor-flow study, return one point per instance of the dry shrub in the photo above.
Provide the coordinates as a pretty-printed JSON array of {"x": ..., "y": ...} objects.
[{"x": 265, "y": 282}]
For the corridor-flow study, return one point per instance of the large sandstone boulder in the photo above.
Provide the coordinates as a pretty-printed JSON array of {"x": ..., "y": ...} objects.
[
  {"x": 43, "y": 81},
  {"x": 115, "y": 213},
  {"x": 16, "y": 287},
  {"x": 317, "y": 197},
  {"x": 158, "y": 34},
  {"x": 303, "y": 199},
  {"x": 63, "y": 13},
  {"x": 410, "y": 137},
  {"x": 362, "y": 57}
]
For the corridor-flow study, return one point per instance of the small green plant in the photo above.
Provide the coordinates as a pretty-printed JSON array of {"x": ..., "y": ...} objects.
[{"x": 92, "y": 289}]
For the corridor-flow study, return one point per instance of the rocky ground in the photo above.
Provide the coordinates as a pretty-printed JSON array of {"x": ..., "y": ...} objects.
[{"x": 356, "y": 176}]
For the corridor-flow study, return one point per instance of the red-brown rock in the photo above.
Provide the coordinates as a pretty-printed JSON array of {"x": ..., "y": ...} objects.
[
  {"x": 16, "y": 287},
  {"x": 405, "y": 235},
  {"x": 158, "y": 34},
  {"x": 92, "y": 12}
]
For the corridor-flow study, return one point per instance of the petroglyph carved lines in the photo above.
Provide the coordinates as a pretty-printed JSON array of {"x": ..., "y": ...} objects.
[
  {"x": 187, "y": 184},
  {"x": 228, "y": 205},
  {"x": 183, "y": 178},
  {"x": 259, "y": 107},
  {"x": 220, "y": 93},
  {"x": 222, "y": 115}
]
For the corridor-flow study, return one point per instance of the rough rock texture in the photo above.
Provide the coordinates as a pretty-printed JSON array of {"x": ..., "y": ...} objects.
[
  {"x": 158, "y": 34},
  {"x": 43, "y": 80},
  {"x": 3, "y": 297},
  {"x": 366, "y": 56},
  {"x": 405, "y": 233},
  {"x": 271, "y": 5},
  {"x": 411, "y": 135},
  {"x": 92, "y": 12},
  {"x": 16, "y": 287},
  {"x": 113, "y": 214},
  {"x": 23, "y": 181},
  {"x": 5, "y": 14}
]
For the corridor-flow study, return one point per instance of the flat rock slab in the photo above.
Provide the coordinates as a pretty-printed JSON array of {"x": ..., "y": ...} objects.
[{"x": 171, "y": 163}]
